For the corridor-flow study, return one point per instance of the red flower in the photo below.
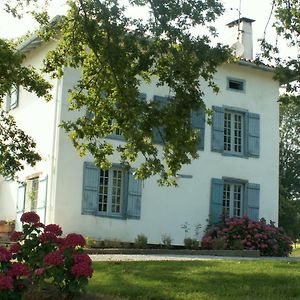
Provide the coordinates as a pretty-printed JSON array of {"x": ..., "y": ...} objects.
[
  {"x": 82, "y": 269},
  {"x": 5, "y": 255},
  {"x": 39, "y": 271},
  {"x": 16, "y": 235},
  {"x": 18, "y": 269},
  {"x": 53, "y": 228},
  {"x": 48, "y": 237},
  {"x": 30, "y": 217},
  {"x": 54, "y": 259},
  {"x": 39, "y": 225},
  {"x": 74, "y": 239},
  {"x": 6, "y": 282},
  {"x": 81, "y": 258},
  {"x": 15, "y": 248}
]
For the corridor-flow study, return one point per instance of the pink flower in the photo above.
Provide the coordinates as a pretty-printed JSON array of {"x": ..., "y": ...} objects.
[
  {"x": 18, "y": 269},
  {"x": 48, "y": 237},
  {"x": 5, "y": 255},
  {"x": 39, "y": 271},
  {"x": 81, "y": 257},
  {"x": 15, "y": 248},
  {"x": 54, "y": 259},
  {"x": 82, "y": 269},
  {"x": 6, "y": 282},
  {"x": 16, "y": 235},
  {"x": 53, "y": 228},
  {"x": 73, "y": 240},
  {"x": 30, "y": 217}
]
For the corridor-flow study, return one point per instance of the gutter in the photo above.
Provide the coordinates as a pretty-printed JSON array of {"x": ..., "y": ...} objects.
[{"x": 253, "y": 65}]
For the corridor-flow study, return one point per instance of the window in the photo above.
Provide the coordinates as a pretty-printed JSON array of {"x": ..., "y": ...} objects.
[
  {"x": 235, "y": 132},
  {"x": 235, "y": 84},
  {"x": 234, "y": 198},
  {"x": 111, "y": 193},
  {"x": 32, "y": 190},
  {"x": 13, "y": 98}
]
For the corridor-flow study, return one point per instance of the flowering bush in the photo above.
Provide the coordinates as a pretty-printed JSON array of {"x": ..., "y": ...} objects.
[
  {"x": 40, "y": 256},
  {"x": 243, "y": 233}
]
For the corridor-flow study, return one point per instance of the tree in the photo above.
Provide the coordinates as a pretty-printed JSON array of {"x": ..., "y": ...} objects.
[
  {"x": 115, "y": 54},
  {"x": 289, "y": 167},
  {"x": 16, "y": 147}
]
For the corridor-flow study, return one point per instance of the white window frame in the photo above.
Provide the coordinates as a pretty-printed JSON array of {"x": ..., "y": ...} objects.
[
  {"x": 13, "y": 98},
  {"x": 230, "y": 199},
  {"x": 108, "y": 191},
  {"x": 231, "y": 146}
]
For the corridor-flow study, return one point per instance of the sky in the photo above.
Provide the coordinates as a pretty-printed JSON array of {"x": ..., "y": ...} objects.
[{"x": 259, "y": 10}]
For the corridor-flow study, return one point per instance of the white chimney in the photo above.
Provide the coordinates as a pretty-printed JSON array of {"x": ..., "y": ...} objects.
[{"x": 242, "y": 37}]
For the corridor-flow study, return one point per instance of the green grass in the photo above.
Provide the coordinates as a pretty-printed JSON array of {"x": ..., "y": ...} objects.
[
  {"x": 296, "y": 250},
  {"x": 272, "y": 280}
]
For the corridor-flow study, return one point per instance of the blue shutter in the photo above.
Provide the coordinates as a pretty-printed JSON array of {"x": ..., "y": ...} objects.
[
  {"x": 91, "y": 182},
  {"x": 253, "y": 134},
  {"x": 252, "y": 201},
  {"x": 42, "y": 199},
  {"x": 217, "y": 143},
  {"x": 198, "y": 122},
  {"x": 20, "y": 206},
  {"x": 142, "y": 97},
  {"x": 134, "y": 197},
  {"x": 157, "y": 132},
  {"x": 216, "y": 205}
]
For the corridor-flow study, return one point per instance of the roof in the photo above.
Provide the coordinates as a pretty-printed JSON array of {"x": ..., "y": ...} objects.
[
  {"x": 237, "y": 21},
  {"x": 255, "y": 65},
  {"x": 30, "y": 44}
]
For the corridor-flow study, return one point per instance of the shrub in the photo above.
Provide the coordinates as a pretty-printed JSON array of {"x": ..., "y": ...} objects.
[
  {"x": 42, "y": 255},
  {"x": 243, "y": 233},
  {"x": 166, "y": 241},
  {"x": 141, "y": 241},
  {"x": 190, "y": 243}
]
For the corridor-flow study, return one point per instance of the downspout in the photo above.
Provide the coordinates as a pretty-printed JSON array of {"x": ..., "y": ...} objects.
[{"x": 54, "y": 155}]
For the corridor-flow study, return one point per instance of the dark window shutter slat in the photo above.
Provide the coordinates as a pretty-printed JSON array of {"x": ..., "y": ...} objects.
[
  {"x": 198, "y": 122},
  {"x": 134, "y": 197},
  {"x": 216, "y": 205},
  {"x": 91, "y": 181},
  {"x": 252, "y": 201},
  {"x": 217, "y": 143},
  {"x": 253, "y": 134}
]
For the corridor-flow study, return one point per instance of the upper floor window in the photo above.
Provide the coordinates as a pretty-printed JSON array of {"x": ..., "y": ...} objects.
[
  {"x": 235, "y": 132},
  {"x": 12, "y": 98},
  {"x": 236, "y": 84}
]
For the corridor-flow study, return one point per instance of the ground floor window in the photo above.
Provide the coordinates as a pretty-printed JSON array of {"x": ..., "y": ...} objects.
[{"x": 232, "y": 199}]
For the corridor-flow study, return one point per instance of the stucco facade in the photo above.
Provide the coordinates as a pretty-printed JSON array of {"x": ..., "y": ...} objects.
[{"x": 163, "y": 209}]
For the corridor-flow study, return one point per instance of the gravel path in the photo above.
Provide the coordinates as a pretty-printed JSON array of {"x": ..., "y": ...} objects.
[{"x": 126, "y": 257}]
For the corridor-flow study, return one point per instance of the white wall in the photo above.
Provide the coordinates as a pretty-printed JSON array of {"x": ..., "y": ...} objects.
[
  {"x": 35, "y": 117},
  {"x": 164, "y": 210}
]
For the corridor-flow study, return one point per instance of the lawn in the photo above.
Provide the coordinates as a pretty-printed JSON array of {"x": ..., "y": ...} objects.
[{"x": 193, "y": 280}]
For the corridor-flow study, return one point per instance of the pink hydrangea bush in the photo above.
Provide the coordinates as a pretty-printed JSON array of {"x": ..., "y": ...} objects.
[
  {"x": 40, "y": 256},
  {"x": 251, "y": 235}
]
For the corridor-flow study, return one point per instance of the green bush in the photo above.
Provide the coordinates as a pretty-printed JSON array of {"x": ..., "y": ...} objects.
[
  {"x": 190, "y": 243},
  {"x": 141, "y": 241},
  {"x": 166, "y": 241}
]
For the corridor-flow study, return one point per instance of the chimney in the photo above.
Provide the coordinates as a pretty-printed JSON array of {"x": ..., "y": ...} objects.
[{"x": 242, "y": 32}]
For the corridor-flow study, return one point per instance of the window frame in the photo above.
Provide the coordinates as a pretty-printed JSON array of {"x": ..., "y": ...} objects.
[
  {"x": 231, "y": 199},
  {"x": 238, "y": 81},
  {"x": 109, "y": 194},
  {"x": 235, "y": 112},
  {"x": 13, "y": 94}
]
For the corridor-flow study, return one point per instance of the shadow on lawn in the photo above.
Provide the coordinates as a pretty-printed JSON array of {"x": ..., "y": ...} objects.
[{"x": 197, "y": 280}]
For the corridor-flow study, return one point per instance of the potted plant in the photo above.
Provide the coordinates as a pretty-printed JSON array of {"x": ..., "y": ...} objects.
[{"x": 6, "y": 227}]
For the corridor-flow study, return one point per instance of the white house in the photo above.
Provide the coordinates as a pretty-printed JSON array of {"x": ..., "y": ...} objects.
[{"x": 237, "y": 170}]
